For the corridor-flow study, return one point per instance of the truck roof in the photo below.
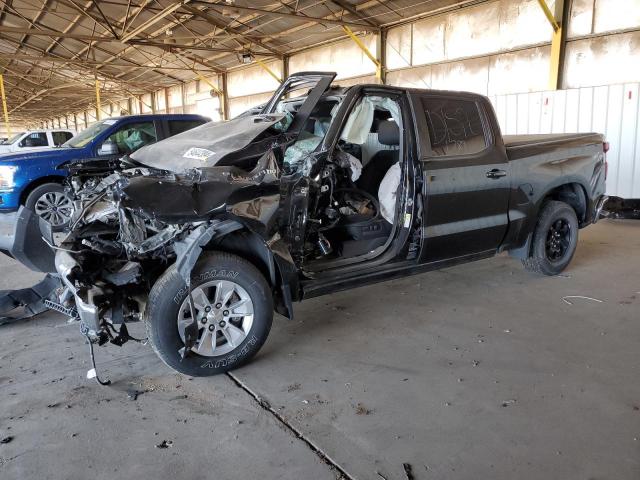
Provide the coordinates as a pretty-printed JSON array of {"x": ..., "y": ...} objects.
[{"x": 168, "y": 116}]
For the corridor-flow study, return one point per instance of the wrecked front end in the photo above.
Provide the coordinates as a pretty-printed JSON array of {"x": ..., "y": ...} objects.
[{"x": 129, "y": 226}]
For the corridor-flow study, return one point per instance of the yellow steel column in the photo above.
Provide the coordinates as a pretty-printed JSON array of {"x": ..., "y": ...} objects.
[
  {"x": 366, "y": 51},
  {"x": 557, "y": 20},
  {"x": 266, "y": 68},
  {"x": 98, "y": 106},
  {"x": 4, "y": 107}
]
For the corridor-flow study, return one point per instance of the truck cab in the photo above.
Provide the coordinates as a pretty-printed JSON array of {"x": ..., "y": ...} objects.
[{"x": 36, "y": 140}]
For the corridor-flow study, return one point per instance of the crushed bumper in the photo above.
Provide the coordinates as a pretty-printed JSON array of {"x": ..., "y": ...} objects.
[{"x": 23, "y": 238}]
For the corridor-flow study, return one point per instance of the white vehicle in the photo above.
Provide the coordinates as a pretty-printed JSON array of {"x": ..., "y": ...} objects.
[{"x": 36, "y": 139}]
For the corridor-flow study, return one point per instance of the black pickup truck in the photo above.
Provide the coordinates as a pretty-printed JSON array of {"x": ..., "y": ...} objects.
[{"x": 205, "y": 234}]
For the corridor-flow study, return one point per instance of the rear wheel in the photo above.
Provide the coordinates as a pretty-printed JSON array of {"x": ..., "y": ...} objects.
[
  {"x": 554, "y": 240},
  {"x": 50, "y": 202},
  {"x": 233, "y": 308}
]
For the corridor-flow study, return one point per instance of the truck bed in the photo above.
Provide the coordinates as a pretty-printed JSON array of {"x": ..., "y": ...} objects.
[{"x": 519, "y": 146}]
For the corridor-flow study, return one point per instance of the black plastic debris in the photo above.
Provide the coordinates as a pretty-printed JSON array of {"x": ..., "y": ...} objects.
[
  {"x": 408, "y": 471},
  {"x": 6, "y": 440},
  {"x": 165, "y": 444},
  {"x": 28, "y": 302}
]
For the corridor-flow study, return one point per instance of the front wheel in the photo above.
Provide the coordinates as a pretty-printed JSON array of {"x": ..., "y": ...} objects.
[
  {"x": 233, "y": 308},
  {"x": 50, "y": 202},
  {"x": 554, "y": 240}
]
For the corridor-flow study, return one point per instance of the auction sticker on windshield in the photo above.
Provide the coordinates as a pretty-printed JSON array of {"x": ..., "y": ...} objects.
[{"x": 198, "y": 153}]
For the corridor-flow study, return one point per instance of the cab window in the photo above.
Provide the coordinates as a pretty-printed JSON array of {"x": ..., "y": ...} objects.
[
  {"x": 60, "y": 137},
  {"x": 179, "y": 126},
  {"x": 455, "y": 126},
  {"x": 36, "y": 139},
  {"x": 132, "y": 136}
]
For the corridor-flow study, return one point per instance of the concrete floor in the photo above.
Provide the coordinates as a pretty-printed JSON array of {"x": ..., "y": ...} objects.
[{"x": 479, "y": 371}]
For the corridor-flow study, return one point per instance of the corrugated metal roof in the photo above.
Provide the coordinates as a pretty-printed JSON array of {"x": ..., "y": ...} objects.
[{"x": 51, "y": 51}]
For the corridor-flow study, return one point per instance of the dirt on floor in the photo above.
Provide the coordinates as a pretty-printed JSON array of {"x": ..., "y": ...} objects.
[{"x": 473, "y": 372}]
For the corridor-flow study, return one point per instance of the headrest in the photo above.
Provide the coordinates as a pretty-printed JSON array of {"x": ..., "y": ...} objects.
[{"x": 388, "y": 133}]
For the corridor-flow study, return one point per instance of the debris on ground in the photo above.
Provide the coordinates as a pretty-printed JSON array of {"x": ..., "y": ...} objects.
[
  {"x": 362, "y": 410},
  {"x": 408, "y": 471},
  {"x": 293, "y": 387},
  {"x": 134, "y": 394},
  {"x": 506, "y": 403},
  {"x": 6, "y": 440},
  {"x": 381, "y": 476},
  {"x": 165, "y": 444},
  {"x": 567, "y": 298},
  {"x": 476, "y": 363}
]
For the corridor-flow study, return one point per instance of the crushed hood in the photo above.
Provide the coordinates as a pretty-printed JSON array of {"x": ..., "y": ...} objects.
[{"x": 206, "y": 145}]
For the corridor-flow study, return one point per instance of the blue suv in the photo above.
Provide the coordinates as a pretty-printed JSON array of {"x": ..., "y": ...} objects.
[{"x": 34, "y": 179}]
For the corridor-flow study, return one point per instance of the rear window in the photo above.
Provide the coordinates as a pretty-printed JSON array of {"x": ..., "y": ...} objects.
[
  {"x": 61, "y": 137},
  {"x": 179, "y": 126},
  {"x": 455, "y": 126}
]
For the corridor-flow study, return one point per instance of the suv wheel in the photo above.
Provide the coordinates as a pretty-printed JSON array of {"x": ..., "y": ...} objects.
[
  {"x": 554, "y": 240},
  {"x": 233, "y": 306},
  {"x": 50, "y": 202}
]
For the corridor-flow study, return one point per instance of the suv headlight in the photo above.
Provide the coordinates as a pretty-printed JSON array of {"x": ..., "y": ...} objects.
[{"x": 6, "y": 178}]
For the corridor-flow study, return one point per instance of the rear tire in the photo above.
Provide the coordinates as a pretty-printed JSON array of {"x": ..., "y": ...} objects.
[
  {"x": 554, "y": 240},
  {"x": 50, "y": 202},
  {"x": 166, "y": 310}
]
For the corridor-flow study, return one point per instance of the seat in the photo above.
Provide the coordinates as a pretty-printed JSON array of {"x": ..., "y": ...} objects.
[{"x": 375, "y": 170}]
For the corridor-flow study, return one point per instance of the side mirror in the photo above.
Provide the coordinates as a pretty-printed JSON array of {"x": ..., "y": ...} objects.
[{"x": 108, "y": 148}]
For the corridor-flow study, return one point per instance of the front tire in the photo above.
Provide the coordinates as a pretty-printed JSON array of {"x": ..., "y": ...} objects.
[
  {"x": 233, "y": 305},
  {"x": 50, "y": 202},
  {"x": 554, "y": 240}
]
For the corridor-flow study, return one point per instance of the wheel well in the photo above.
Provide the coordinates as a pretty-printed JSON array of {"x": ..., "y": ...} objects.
[
  {"x": 36, "y": 183},
  {"x": 252, "y": 248},
  {"x": 572, "y": 194}
]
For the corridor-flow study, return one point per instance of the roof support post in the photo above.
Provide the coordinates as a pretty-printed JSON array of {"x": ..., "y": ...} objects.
[
  {"x": 75, "y": 122},
  {"x": 153, "y": 102},
  {"x": 381, "y": 54},
  {"x": 183, "y": 103},
  {"x": 4, "y": 107},
  {"x": 558, "y": 20},
  {"x": 285, "y": 67},
  {"x": 221, "y": 93},
  {"x": 365, "y": 50},
  {"x": 166, "y": 100},
  {"x": 98, "y": 106},
  {"x": 225, "y": 97}
]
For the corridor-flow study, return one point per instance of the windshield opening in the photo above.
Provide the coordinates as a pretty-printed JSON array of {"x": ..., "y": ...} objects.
[
  {"x": 87, "y": 135},
  {"x": 13, "y": 139}
]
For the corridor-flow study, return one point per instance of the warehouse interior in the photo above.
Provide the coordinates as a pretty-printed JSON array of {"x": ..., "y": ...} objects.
[{"x": 473, "y": 371}]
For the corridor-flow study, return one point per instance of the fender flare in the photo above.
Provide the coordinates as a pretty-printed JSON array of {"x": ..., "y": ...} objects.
[{"x": 279, "y": 270}]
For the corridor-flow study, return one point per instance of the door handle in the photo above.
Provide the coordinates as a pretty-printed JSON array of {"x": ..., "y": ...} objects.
[{"x": 495, "y": 174}]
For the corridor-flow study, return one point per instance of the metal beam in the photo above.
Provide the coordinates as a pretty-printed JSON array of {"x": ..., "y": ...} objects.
[
  {"x": 352, "y": 10},
  {"x": 221, "y": 24},
  {"x": 4, "y": 107},
  {"x": 91, "y": 63},
  {"x": 558, "y": 20},
  {"x": 98, "y": 106},
  {"x": 266, "y": 68},
  {"x": 365, "y": 50},
  {"x": 153, "y": 20},
  {"x": 303, "y": 18}
]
